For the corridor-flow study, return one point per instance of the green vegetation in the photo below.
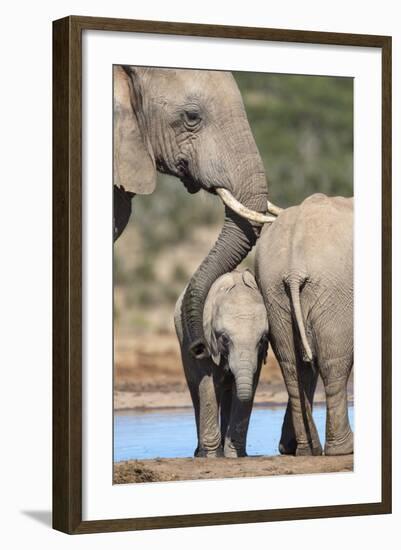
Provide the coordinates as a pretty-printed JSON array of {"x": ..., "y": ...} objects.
[{"x": 303, "y": 126}]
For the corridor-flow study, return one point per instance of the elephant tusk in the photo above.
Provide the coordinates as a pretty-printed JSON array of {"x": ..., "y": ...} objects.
[
  {"x": 273, "y": 209},
  {"x": 230, "y": 201}
]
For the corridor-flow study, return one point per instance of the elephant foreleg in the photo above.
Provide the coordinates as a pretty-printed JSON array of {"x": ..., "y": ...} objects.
[
  {"x": 204, "y": 390},
  {"x": 209, "y": 440}
]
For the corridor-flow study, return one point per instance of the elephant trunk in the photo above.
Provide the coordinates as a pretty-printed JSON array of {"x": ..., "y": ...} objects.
[
  {"x": 244, "y": 383},
  {"x": 236, "y": 239}
]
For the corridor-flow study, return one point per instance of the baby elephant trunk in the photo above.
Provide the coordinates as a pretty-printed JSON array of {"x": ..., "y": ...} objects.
[{"x": 244, "y": 382}]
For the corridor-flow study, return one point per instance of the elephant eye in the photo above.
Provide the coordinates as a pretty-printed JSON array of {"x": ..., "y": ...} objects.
[
  {"x": 224, "y": 342},
  {"x": 192, "y": 118},
  {"x": 264, "y": 341},
  {"x": 263, "y": 347}
]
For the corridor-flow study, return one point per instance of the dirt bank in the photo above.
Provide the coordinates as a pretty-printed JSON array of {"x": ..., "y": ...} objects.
[
  {"x": 166, "y": 396},
  {"x": 148, "y": 374},
  {"x": 178, "y": 469}
]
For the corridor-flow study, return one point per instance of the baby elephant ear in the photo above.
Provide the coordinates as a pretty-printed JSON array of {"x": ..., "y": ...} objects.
[
  {"x": 208, "y": 330},
  {"x": 214, "y": 350},
  {"x": 134, "y": 165},
  {"x": 249, "y": 279}
]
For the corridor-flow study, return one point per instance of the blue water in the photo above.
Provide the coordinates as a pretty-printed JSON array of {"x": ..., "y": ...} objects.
[{"x": 171, "y": 433}]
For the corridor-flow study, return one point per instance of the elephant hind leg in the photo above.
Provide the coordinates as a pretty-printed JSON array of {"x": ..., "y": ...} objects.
[
  {"x": 300, "y": 380},
  {"x": 339, "y": 436},
  {"x": 288, "y": 441},
  {"x": 307, "y": 382}
]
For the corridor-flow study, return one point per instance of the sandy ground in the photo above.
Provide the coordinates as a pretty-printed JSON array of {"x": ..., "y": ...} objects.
[
  {"x": 148, "y": 374},
  {"x": 178, "y": 469}
]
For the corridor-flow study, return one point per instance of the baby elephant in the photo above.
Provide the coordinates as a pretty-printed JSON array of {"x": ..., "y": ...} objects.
[
  {"x": 304, "y": 267},
  {"x": 223, "y": 386}
]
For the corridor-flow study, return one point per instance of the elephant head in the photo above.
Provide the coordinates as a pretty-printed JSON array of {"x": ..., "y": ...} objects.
[
  {"x": 236, "y": 328},
  {"x": 192, "y": 124}
]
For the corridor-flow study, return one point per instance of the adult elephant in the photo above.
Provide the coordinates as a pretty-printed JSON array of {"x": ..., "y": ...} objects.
[
  {"x": 191, "y": 124},
  {"x": 308, "y": 293}
]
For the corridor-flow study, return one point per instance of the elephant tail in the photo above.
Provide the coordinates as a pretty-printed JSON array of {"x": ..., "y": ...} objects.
[{"x": 294, "y": 284}]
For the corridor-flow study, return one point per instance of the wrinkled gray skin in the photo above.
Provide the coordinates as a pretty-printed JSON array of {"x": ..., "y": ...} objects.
[
  {"x": 191, "y": 124},
  {"x": 304, "y": 268},
  {"x": 223, "y": 386}
]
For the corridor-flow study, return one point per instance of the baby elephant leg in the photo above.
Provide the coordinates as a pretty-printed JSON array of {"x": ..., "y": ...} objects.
[
  {"x": 237, "y": 429},
  {"x": 225, "y": 409},
  {"x": 339, "y": 436}
]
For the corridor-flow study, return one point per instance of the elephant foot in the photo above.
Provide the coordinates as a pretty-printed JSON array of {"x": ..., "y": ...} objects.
[
  {"x": 309, "y": 450},
  {"x": 288, "y": 447},
  {"x": 231, "y": 452},
  {"x": 345, "y": 446},
  {"x": 205, "y": 453}
]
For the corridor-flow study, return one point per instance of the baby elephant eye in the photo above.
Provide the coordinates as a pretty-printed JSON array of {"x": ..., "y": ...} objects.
[
  {"x": 192, "y": 118},
  {"x": 263, "y": 347},
  {"x": 223, "y": 341},
  {"x": 264, "y": 341}
]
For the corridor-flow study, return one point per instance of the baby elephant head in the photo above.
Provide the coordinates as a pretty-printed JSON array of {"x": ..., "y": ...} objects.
[{"x": 236, "y": 327}]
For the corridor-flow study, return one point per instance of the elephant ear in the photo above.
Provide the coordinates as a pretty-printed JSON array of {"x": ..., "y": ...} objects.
[
  {"x": 248, "y": 279},
  {"x": 210, "y": 336},
  {"x": 134, "y": 164}
]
